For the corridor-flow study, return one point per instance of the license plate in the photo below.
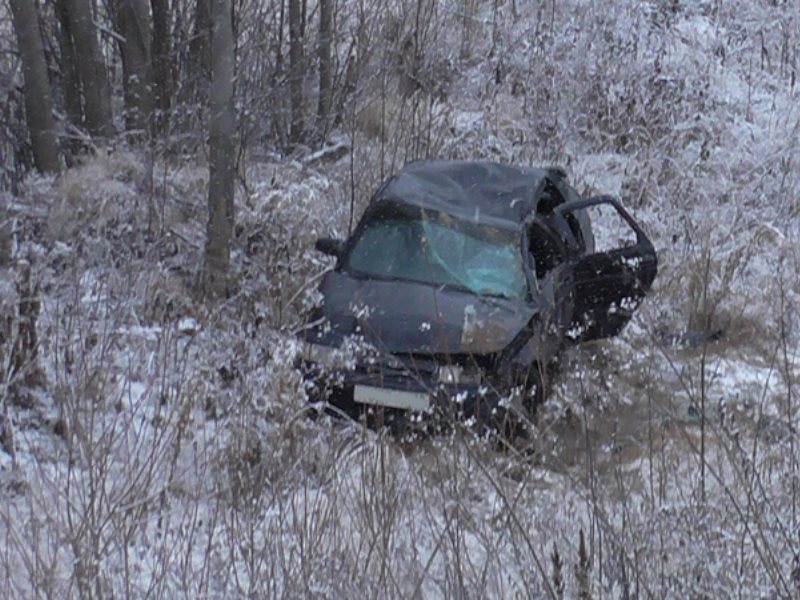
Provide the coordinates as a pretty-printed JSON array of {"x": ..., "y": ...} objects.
[{"x": 366, "y": 394}]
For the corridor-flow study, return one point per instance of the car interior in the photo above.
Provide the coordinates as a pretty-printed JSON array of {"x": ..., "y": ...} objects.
[{"x": 545, "y": 249}]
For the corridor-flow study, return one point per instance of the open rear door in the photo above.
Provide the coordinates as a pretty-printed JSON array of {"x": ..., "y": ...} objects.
[{"x": 609, "y": 285}]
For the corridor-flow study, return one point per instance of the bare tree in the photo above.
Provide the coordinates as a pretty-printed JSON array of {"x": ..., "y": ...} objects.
[
  {"x": 38, "y": 98},
  {"x": 221, "y": 152},
  {"x": 296, "y": 67},
  {"x": 133, "y": 21},
  {"x": 90, "y": 68},
  {"x": 200, "y": 46},
  {"x": 70, "y": 82},
  {"x": 325, "y": 64},
  {"x": 162, "y": 77}
]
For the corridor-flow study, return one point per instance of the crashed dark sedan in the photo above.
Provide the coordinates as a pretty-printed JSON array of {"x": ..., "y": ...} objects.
[{"x": 458, "y": 289}]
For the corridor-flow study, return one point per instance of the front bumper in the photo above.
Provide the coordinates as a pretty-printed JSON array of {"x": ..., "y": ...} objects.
[{"x": 391, "y": 397}]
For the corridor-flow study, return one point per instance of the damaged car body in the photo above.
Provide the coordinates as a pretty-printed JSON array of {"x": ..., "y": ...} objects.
[{"x": 460, "y": 286}]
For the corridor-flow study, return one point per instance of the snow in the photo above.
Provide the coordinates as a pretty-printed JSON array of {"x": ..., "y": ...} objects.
[
  {"x": 170, "y": 451},
  {"x": 188, "y": 326}
]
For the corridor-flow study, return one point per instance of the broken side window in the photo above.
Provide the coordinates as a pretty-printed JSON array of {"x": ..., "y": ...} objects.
[{"x": 546, "y": 250}]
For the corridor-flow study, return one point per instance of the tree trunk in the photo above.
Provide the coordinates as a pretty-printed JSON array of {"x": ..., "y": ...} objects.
[
  {"x": 38, "y": 98},
  {"x": 325, "y": 66},
  {"x": 162, "y": 77},
  {"x": 90, "y": 68},
  {"x": 70, "y": 83},
  {"x": 200, "y": 46},
  {"x": 133, "y": 21},
  {"x": 221, "y": 153},
  {"x": 296, "y": 68}
]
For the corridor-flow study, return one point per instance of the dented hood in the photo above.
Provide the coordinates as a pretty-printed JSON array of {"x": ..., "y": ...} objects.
[{"x": 408, "y": 317}]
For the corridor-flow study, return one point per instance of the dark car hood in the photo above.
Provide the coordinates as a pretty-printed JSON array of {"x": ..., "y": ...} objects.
[{"x": 407, "y": 317}]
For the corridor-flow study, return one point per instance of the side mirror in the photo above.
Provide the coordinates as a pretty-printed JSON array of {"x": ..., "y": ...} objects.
[{"x": 329, "y": 246}]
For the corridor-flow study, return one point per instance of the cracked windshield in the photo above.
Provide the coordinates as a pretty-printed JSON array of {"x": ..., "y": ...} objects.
[{"x": 438, "y": 249}]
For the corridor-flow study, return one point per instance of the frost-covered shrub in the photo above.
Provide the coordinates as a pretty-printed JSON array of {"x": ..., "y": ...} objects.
[
  {"x": 98, "y": 191},
  {"x": 278, "y": 223}
]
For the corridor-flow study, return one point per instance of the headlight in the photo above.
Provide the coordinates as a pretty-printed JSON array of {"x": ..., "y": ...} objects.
[{"x": 455, "y": 374}]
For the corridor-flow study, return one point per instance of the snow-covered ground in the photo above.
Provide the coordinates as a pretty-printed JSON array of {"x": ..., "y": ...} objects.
[{"x": 167, "y": 452}]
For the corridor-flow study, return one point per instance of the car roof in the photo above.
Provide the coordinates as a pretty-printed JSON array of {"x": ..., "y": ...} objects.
[{"x": 480, "y": 191}]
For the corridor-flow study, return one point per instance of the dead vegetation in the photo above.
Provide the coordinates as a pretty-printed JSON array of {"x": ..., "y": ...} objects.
[{"x": 165, "y": 448}]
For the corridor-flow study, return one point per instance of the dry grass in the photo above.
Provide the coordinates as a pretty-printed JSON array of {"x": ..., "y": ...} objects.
[{"x": 164, "y": 456}]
